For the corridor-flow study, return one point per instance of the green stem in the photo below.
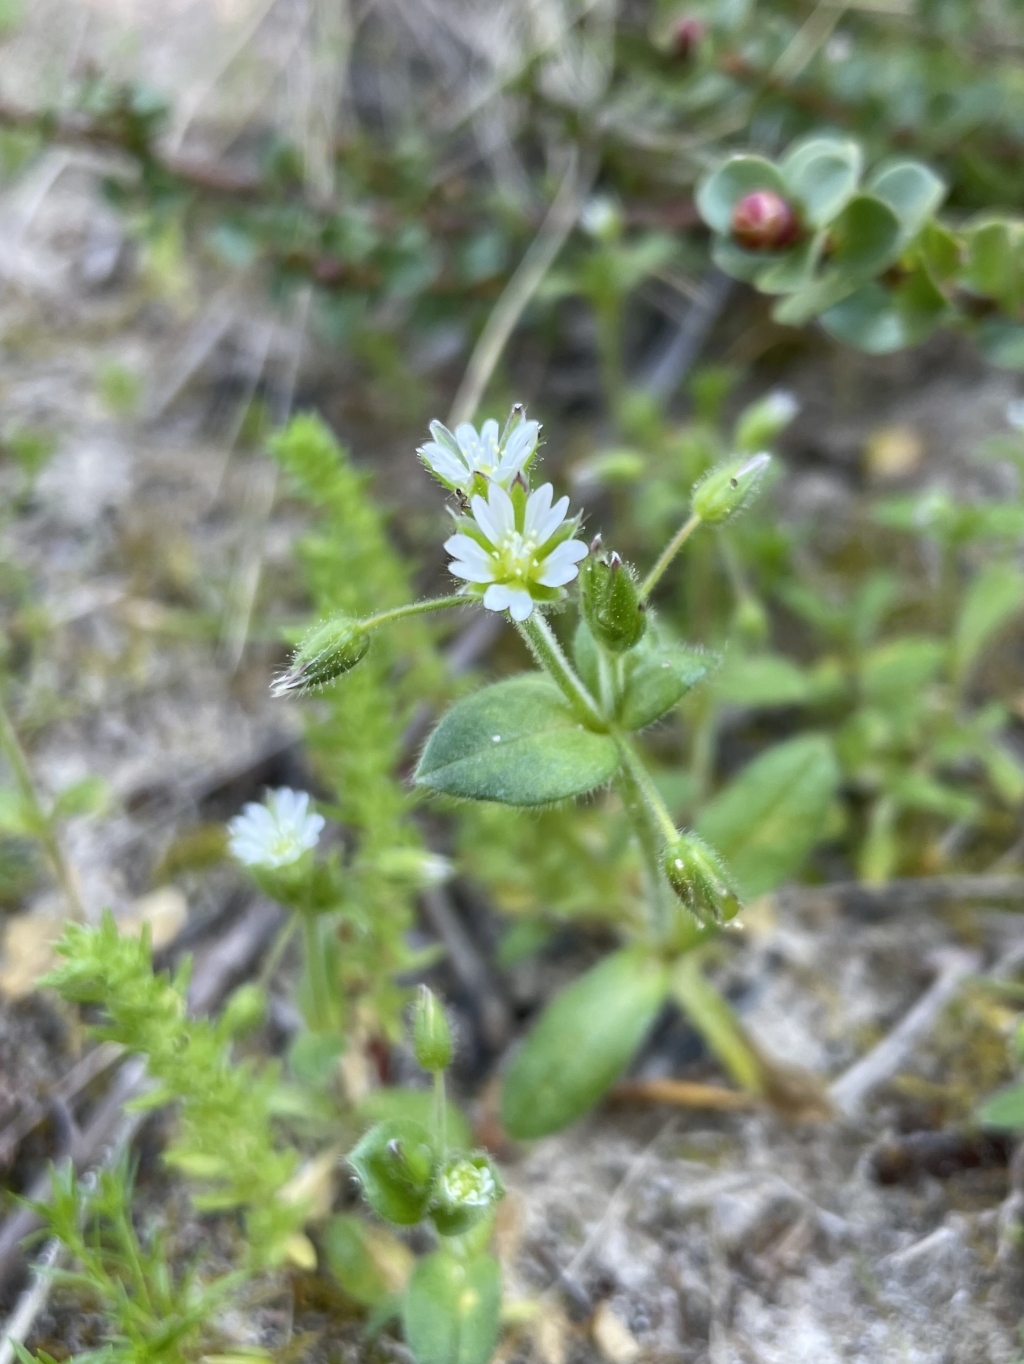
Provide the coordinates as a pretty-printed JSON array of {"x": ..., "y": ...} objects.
[
  {"x": 668, "y": 554},
  {"x": 541, "y": 641},
  {"x": 715, "y": 1020},
  {"x": 659, "y": 812},
  {"x": 316, "y": 974},
  {"x": 416, "y": 608},
  {"x": 10, "y": 746},
  {"x": 647, "y": 815},
  {"x": 440, "y": 1115}
]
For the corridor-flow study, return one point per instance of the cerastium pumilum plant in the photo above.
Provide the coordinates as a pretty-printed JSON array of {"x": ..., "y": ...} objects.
[{"x": 566, "y": 730}]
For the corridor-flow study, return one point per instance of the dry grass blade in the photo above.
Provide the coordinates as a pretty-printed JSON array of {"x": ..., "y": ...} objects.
[{"x": 539, "y": 257}]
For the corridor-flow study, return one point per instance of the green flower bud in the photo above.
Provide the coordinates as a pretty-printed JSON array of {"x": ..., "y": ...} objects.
[
  {"x": 698, "y": 876},
  {"x": 415, "y": 867},
  {"x": 762, "y": 421},
  {"x": 725, "y": 491},
  {"x": 467, "y": 1187},
  {"x": 431, "y": 1035},
  {"x": 610, "y": 600},
  {"x": 330, "y": 649},
  {"x": 395, "y": 1162}
]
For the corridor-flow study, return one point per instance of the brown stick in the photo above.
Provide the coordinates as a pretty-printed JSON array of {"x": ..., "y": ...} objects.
[{"x": 683, "y": 1094}]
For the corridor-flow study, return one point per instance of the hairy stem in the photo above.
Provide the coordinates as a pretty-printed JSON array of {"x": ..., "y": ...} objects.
[
  {"x": 668, "y": 554},
  {"x": 541, "y": 641},
  {"x": 416, "y": 608},
  {"x": 635, "y": 786},
  {"x": 10, "y": 746},
  {"x": 440, "y": 1115}
]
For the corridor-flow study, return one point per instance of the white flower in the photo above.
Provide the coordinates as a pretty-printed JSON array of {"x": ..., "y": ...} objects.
[
  {"x": 277, "y": 833},
  {"x": 601, "y": 218},
  {"x": 467, "y": 459},
  {"x": 515, "y": 552}
]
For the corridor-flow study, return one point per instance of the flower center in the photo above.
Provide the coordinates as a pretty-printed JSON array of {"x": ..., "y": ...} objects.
[{"x": 517, "y": 557}]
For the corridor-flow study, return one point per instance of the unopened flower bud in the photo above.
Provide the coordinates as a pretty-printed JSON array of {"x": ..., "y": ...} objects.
[
  {"x": 725, "y": 491},
  {"x": 330, "y": 649},
  {"x": 764, "y": 221},
  {"x": 687, "y": 36},
  {"x": 762, "y": 421},
  {"x": 467, "y": 1187},
  {"x": 431, "y": 1035},
  {"x": 415, "y": 867},
  {"x": 395, "y": 1162},
  {"x": 611, "y": 602},
  {"x": 698, "y": 876}
]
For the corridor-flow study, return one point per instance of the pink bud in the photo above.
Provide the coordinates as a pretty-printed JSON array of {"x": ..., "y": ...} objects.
[
  {"x": 687, "y": 37},
  {"x": 764, "y": 221}
]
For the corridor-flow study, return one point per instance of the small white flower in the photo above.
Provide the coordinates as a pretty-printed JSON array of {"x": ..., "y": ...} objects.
[
  {"x": 466, "y": 458},
  {"x": 601, "y": 218},
  {"x": 514, "y": 553},
  {"x": 277, "y": 833}
]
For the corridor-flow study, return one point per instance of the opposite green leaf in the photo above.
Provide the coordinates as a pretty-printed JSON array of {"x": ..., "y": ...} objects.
[
  {"x": 911, "y": 190},
  {"x": 516, "y": 742},
  {"x": 583, "y": 1042},
  {"x": 739, "y": 176},
  {"x": 822, "y": 173},
  {"x": 657, "y": 677},
  {"x": 451, "y": 1312},
  {"x": 766, "y": 821},
  {"x": 1002, "y": 344}
]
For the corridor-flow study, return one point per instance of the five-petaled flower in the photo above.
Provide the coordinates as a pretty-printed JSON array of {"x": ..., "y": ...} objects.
[
  {"x": 514, "y": 551},
  {"x": 277, "y": 833},
  {"x": 466, "y": 460}
]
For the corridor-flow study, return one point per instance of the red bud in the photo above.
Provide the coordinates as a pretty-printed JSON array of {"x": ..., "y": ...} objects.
[{"x": 764, "y": 221}]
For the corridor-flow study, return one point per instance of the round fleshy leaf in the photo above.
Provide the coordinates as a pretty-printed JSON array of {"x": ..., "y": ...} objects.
[
  {"x": 1002, "y": 344},
  {"x": 879, "y": 320},
  {"x": 792, "y": 271},
  {"x": 911, "y": 190},
  {"x": 721, "y": 192},
  {"x": 516, "y": 742},
  {"x": 732, "y": 260},
  {"x": 865, "y": 240},
  {"x": 822, "y": 173},
  {"x": 866, "y": 235}
]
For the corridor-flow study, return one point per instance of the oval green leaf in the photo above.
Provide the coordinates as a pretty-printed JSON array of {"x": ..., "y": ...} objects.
[
  {"x": 451, "y": 1309},
  {"x": 762, "y": 680},
  {"x": 582, "y": 1043},
  {"x": 657, "y": 677},
  {"x": 769, "y": 817},
  {"x": 516, "y": 742}
]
